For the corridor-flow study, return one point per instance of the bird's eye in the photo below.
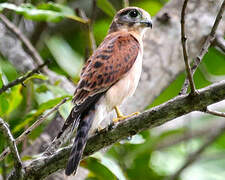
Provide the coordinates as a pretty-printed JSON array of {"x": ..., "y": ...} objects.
[{"x": 134, "y": 13}]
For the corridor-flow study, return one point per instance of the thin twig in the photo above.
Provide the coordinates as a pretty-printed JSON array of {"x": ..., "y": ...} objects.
[
  {"x": 92, "y": 20},
  {"x": 184, "y": 46},
  {"x": 195, "y": 156},
  {"x": 31, "y": 128},
  {"x": 12, "y": 146},
  {"x": 125, "y": 3},
  {"x": 216, "y": 113},
  {"x": 89, "y": 28},
  {"x": 220, "y": 43},
  {"x": 21, "y": 79},
  {"x": 205, "y": 47}
]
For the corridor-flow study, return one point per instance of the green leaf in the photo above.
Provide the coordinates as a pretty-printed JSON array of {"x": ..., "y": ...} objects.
[
  {"x": 4, "y": 104},
  {"x": 50, "y": 104},
  {"x": 98, "y": 170},
  {"x": 111, "y": 165},
  {"x": 15, "y": 98},
  {"x": 42, "y": 108},
  {"x": 42, "y": 89},
  {"x": 37, "y": 76},
  {"x": 65, "y": 56},
  {"x": 106, "y": 7},
  {"x": 51, "y": 12},
  {"x": 1, "y": 81}
]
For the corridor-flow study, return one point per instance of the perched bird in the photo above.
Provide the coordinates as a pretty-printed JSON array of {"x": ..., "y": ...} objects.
[{"x": 110, "y": 75}]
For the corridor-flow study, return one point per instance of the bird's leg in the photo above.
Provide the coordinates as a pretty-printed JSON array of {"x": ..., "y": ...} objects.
[{"x": 121, "y": 117}]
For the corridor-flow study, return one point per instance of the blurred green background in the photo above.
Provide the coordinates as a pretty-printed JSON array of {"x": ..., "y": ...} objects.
[{"x": 65, "y": 41}]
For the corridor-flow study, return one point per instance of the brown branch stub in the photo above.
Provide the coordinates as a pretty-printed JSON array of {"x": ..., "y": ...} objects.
[
  {"x": 12, "y": 146},
  {"x": 31, "y": 128},
  {"x": 156, "y": 116},
  {"x": 196, "y": 155},
  {"x": 125, "y": 3},
  {"x": 91, "y": 47},
  {"x": 215, "y": 113},
  {"x": 219, "y": 42},
  {"x": 184, "y": 47},
  {"x": 21, "y": 79},
  {"x": 205, "y": 47}
]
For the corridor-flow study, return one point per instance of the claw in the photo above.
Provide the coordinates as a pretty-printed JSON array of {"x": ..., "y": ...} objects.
[{"x": 121, "y": 117}]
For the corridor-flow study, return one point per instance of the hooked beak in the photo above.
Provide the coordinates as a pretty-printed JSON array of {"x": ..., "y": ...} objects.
[{"x": 147, "y": 23}]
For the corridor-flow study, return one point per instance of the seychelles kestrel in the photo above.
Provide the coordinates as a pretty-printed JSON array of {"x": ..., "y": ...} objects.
[{"x": 110, "y": 75}]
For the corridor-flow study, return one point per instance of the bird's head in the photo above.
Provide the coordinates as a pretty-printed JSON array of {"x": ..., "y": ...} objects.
[{"x": 131, "y": 19}]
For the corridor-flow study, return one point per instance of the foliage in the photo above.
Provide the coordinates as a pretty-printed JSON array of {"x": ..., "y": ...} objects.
[{"x": 133, "y": 158}]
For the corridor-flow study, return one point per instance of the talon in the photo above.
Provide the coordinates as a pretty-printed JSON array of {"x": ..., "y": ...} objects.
[
  {"x": 98, "y": 129},
  {"x": 121, "y": 117}
]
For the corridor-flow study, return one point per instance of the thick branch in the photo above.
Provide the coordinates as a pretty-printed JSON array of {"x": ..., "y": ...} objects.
[
  {"x": 174, "y": 108},
  {"x": 12, "y": 145},
  {"x": 21, "y": 79}
]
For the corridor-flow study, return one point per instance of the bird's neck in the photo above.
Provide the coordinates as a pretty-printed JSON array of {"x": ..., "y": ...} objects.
[{"x": 136, "y": 31}]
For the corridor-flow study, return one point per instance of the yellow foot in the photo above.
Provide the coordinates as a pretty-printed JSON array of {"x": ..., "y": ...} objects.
[
  {"x": 121, "y": 117},
  {"x": 99, "y": 128}
]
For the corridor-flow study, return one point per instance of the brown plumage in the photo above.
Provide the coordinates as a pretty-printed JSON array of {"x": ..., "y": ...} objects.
[{"x": 110, "y": 75}]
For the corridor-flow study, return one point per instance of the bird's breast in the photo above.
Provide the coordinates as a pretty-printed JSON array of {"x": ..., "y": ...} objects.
[{"x": 126, "y": 86}]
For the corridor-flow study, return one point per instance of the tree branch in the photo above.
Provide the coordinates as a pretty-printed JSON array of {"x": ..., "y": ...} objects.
[
  {"x": 21, "y": 79},
  {"x": 12, "y": 146},
  {"x": 31, "y": 128},
  {"x": 156, "y": 116},
  {"x": 205, "y": 47},
  {"x": 184, "y": 46}
]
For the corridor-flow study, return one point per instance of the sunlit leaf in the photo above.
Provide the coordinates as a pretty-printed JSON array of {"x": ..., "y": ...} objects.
[
  {"x": 15, "y": 98},
  {"x": 111, "y": 165},
  {"x": 42, "y": 108},
  {"x": 4, "y": 104},
  {"x": 42, "y": 89},
  {"x": 1, "y": 81},
  {"x": 150, "y": 6},
  {"x": 106, "y": 7},
  {"x": 65, "y": 56},
  {"x": 51, "y": 12},
  {"x": 98, "y": 170},
  {"x": 65, "y": 109},
  {"x": 49, "y": 104},
  {"x": 36, "y": 76}
]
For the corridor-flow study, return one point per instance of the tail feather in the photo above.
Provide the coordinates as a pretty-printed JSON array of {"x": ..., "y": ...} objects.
[
  {"x": 84, "y": 115},
  {"x": 79, "y": 143}
]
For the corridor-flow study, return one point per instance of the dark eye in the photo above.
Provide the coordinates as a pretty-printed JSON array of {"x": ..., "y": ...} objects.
[{"x": 133, "y": 13}]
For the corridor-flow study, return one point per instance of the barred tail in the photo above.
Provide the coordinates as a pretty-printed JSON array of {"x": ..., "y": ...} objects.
[
  {"x": 80, "y": 142},
  {"x": 84, "y": 115}
]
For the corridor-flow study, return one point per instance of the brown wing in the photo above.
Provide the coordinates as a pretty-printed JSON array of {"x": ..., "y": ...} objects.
[{"x": 113, "y": 58}]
